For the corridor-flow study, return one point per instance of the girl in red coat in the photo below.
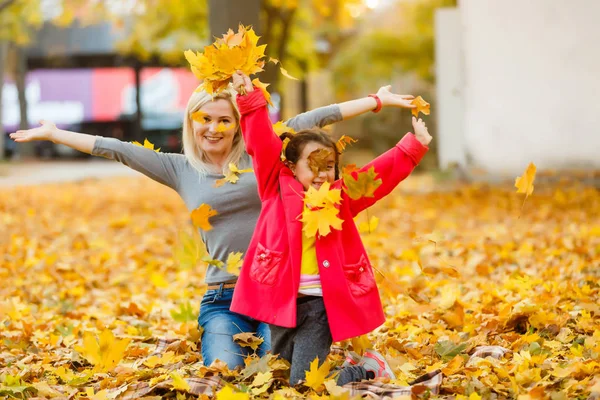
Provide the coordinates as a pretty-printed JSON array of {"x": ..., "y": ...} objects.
[{"x": 312, "y": 288}]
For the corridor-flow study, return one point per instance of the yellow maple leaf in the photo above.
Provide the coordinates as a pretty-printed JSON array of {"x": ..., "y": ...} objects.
[
  {"x": 104, "y": 352},
  {"x": 315, "y": 376},
  {"x": 188, "y": 249},
  {"x": 234, "y": 263},
  {"x": 369, "y": 226},
  {"x": 222, "y": 127},
  {"x": 524, "y": 184},
  {"x": 322, "y": 197},
  {"x": 199, "y": 116},
  {"x": 233, "y": 175},
  {"x": 247, "y": 339},
  {"x": 361, "y": 343},
  {"x": 262, "y": 378},
  {"x": 422, "y": 106},
  {"x": 343, "y": 142},
  {"x": 320, "y": 214},
  {"x": 201, "y": 215},
  {"x": 179, "y": 383},
  {"x": 220, "y": 60},
  {"x": 228, "y": 393},
  {"x": 280, "y": 127},
  {"x": 284, "y": 145},
  {"x": 286, "y": 74},
  {"x": 364, "y": 185},
  {"x": 263, "y": 88},
  {"x": 147, "y": 145}
]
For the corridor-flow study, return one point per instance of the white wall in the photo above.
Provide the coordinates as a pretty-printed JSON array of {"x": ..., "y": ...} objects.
[
  {"x": 532, "y": 83},
  {"x": 449, "y": 71}
]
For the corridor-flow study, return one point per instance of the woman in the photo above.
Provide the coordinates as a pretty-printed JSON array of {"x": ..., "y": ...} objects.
[{"x": 212, "y": 140}]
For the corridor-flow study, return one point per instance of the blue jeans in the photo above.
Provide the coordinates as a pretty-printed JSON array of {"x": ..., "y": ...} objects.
[{"x": 219, "y": 325}]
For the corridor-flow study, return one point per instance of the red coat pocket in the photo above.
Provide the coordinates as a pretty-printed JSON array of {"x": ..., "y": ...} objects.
[
  {"x": 360, "y": 277},
  {"x": 265, "y": 266}
]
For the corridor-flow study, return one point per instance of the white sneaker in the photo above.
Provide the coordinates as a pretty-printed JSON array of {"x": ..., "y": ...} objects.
[
  {"x": 351, "y": 359},
  {"x": 376, "y": 363}
]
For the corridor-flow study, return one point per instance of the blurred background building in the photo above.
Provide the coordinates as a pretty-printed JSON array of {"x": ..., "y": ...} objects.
[{"x": 509, "y": 82}]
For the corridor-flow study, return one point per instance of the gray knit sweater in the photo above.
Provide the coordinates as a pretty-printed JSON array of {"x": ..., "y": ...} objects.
[{"x": 238, "y": 205}]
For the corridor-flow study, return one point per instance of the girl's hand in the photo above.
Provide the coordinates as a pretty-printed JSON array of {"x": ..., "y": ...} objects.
[
  {"x": 44, "y": 132},
  {"x": 242, "y": 83},
  {"x": 421, "y": 132},
  {"x": 395, "y": 100}
]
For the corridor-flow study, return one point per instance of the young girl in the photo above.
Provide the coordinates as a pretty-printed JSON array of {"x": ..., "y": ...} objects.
[{"x": 311, "y": 290}]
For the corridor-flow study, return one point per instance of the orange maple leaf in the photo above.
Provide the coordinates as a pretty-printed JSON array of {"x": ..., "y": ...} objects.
[
  {"x": 422, "y": 106},
  {"x": 201, "y": 215},
  {"x": 343, "y": 142},
  {"x": 318, "y": 160},
  {"x": 263, "y": 88}
]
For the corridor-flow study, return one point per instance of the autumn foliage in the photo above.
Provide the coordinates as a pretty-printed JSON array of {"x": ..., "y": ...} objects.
[{"x": 95, "y": 273}]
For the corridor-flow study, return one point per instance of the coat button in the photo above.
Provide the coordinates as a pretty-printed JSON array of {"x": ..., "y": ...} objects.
[{"x": 326, "y": 264}]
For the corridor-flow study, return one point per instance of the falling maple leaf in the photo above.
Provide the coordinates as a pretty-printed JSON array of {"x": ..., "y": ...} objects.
[
  {"x": 104, "y": 352},
  {"x": 201, "y": 215},
  {"x": 286, "y": 74},
  {"x": 524, "y": 184},
  {"x": 320, "y": 214},
  {"x": 234, "y": 263},
  {"x": 368, "y": 226},
  {"x": 280, "y": 128},
  {"x": 210, "y": 261},
  {"x": 188, "y": 249},
  {"x": 319, "y": 160},
  {"x": 315, "y": 376},
  {"x": 343, "y": 142},
  {"x": 349, "y": 169},
  {"x": 233, "y": 175},
  {"x": 146, "y": 144},
  {"x": 263, "y": 88},
  {"x": 364, "y": 185},
  {"x": 421, "y": 106},
  {"x": 234, "y": 51}
]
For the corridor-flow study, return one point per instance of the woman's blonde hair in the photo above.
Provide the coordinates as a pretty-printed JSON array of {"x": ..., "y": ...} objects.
[{"x": 194, "y": 154}]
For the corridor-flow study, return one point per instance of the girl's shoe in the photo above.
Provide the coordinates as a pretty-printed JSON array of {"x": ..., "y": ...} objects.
[
  {"x": 375, "y": 362},
  {"x": 351, "y": 359}
]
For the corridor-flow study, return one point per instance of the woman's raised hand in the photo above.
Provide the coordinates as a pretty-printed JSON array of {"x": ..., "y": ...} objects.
[
  {"x": 242, "y": 83},
  {"x": 43, "y": 132},
  {"x": 395, "y": 100}
]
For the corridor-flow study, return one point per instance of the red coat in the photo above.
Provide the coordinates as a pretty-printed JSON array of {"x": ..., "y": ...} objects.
[{"x": 268, "y": 284}]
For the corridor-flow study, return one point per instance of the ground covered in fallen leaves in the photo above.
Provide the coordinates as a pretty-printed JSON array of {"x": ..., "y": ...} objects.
[{"x": 93, "y": 274}]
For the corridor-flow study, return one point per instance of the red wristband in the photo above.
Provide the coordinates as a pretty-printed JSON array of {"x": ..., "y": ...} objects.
[{"x": 379, "y": 105}]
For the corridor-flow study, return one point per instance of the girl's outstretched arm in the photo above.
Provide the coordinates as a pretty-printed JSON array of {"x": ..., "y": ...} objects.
[{"x": 393, "y": 166}]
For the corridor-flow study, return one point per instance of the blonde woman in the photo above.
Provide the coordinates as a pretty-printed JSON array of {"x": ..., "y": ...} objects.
[{"x": 208, "y": 150}]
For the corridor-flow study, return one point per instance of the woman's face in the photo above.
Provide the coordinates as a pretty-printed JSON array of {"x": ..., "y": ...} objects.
[{"x": 214, "y": 128}]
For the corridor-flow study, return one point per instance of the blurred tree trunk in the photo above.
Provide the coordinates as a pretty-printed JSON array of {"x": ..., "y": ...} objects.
[
  {"x": 137, "y": 126},
  {"x": 25, "y": 149},
  {"x": 228, "y": 14},
  {"x": 3, "y": 57}
]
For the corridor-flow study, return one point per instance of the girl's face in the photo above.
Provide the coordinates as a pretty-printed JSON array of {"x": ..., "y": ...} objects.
[
  {"x": 303, "y": 172},
  {"x": 214, "y": 135}
]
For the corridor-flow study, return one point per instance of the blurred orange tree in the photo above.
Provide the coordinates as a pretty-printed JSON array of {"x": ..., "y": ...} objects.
[{"x": 299, "y": 33}]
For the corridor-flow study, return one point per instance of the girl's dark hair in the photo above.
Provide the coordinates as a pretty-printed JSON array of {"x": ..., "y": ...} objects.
[{"x": 300, "y": 139}]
